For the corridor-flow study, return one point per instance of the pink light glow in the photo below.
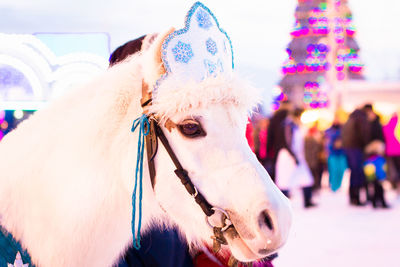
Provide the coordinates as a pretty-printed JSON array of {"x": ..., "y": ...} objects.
[
  {"x": 275, "y": 106},
  {"x": 340, "y": 76},
  {"x": 339, "y": 67},
  {"x": 300, "y": 67},
  {"x": 2, "y": 115},
  {"x": 350, "y": 32},
  {"x": 355, "y": 68}
]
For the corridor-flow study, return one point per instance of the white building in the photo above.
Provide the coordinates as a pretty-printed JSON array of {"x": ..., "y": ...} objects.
[{"x": 31, "y": 73}]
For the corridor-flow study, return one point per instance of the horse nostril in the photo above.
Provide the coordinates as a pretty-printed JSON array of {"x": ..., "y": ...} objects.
[{"x": 265, "y": 219}]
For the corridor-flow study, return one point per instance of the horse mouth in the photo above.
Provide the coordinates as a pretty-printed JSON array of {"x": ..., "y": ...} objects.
[{"x": 243, "y": 252}]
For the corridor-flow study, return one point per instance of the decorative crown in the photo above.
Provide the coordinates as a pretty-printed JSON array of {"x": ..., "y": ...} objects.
[{"x": 199, "y": 50}]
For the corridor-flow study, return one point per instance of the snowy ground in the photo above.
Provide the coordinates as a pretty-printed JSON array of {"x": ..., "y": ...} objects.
[{"x": 337, "y": 234}]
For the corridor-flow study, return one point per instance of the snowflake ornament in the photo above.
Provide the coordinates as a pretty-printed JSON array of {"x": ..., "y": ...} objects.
[
  {"x": 211, "y": 46},
  {"x": 18, "y": 262},
  {"x": 203, "y": 18},
  {"x": 211, "y": 66},
  {"x": 182, "y": 52}
]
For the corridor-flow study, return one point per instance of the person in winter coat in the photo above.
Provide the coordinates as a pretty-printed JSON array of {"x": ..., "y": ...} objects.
[
  {"x": 314, "y": 150},
  {"x": 337, "y": 162},
  {"x": 292, "y": 170},
  {"x": 392, "y": 150},
  {"x": 276, "y": 135},
  {"x": 355, "y": 136},
  {"x": 260, "y": 140},
  {"x": 374, "y": 152}
]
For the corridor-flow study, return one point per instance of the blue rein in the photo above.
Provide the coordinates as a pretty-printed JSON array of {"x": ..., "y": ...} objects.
[{"x": 142, "y": 121}]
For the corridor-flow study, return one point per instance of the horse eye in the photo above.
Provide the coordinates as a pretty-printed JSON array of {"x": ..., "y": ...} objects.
[{"x": 191, "y": 129}]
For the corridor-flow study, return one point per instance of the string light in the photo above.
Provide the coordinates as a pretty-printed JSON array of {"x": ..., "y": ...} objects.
[
  {"x": 2, "y": 116},
  {"x": 18, "y": 114},
  {"x": 314, "y": 97},
  {"x": 4, "y": 125}
]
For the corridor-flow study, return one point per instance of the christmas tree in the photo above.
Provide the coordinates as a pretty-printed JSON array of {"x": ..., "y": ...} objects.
[{"x": 322, "y": 52}]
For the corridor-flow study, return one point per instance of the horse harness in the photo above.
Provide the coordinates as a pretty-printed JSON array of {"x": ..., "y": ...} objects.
[{"x": 151, "y": 140}]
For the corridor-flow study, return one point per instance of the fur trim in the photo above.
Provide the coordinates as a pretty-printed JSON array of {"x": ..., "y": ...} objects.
[{"x": 174, "y": 96}]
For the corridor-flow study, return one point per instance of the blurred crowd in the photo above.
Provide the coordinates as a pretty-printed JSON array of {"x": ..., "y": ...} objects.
[{"x": 297, "y": 155}]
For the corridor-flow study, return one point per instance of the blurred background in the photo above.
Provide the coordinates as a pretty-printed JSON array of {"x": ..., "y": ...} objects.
[
  {"x": 261, "y": 33},
  {"x": 329, "y": 58}
]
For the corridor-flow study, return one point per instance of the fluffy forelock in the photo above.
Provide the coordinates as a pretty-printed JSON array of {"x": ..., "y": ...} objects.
[{"x": 174, "y": 96}]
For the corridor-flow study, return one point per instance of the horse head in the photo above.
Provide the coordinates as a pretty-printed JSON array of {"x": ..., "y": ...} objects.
[{"x": 202, "y": 110}]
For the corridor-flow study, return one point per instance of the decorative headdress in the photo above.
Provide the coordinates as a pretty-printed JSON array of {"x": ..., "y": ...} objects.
[{"x": 199, "y": 50}]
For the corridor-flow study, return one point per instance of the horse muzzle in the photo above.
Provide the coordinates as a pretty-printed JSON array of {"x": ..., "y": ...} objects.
[{"x": 259, "y": 236}]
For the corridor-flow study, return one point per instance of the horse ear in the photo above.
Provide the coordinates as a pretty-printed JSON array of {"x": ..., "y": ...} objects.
[
  {"x": 153, "y": 67},
  {"x": 148, "y": 41}
]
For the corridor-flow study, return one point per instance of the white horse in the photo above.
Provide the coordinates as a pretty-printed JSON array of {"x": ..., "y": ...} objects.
[{"x": 67, "y": 173}]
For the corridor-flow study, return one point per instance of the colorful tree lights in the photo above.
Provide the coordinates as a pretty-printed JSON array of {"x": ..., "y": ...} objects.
[
  {"x": 314, "y": 96},
  {"x": 309, "y": 51}
]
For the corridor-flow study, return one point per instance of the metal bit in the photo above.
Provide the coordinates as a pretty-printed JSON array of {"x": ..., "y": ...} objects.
[
  {"x": 218, "y": 239},
  {"x": 216, "y": 245},
  {"x": 219, "y": 236},
  {"x": 233, "y": 262}
]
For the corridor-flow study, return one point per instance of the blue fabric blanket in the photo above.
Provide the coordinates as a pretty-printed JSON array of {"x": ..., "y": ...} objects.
[{"x": 9, "y": 248}]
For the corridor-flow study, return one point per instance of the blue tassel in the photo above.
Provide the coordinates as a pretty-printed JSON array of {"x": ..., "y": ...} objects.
[{"x": 141, "y": 122}]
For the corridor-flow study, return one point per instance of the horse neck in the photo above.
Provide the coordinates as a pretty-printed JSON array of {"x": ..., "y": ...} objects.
[{"x": 83, "y": 214}]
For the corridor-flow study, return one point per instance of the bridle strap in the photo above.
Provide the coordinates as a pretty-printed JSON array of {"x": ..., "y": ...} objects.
[
  {"x": 151, "y": 150},
  {"x": 151, "y": 140},
  {"x": 146, "y": 95},
  {"x": 155, "y": 132},
  {"x": 184, "y": 177}
]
